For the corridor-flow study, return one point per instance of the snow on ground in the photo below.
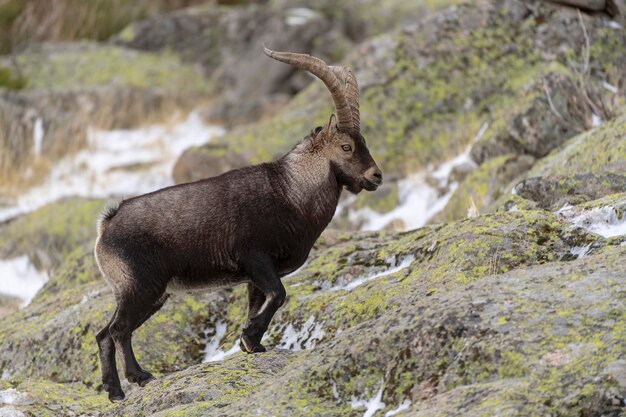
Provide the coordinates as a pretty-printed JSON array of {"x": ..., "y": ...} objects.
[
  {"x": 306, "y": 338},
  {"x": 601, "y": 220},
  {"x": 419, "y": 199},
  {"x": 220, "y": 354},
  {"x": 212, "y": 348},
  {"x": 398, "y": 265},
  {"x": 117, "y": 162},
  {"x": 10, "y": 411},
  {"x": 580, "y": 251},
  {"x": 403, "y": 406},
  {"x": 372, "y": 405},
  {"x": 213, "y": 351},
  {"x": 12, "y": 396},
  {"x": 19, "y": 278},
  {"x": 9, "y": 398}
]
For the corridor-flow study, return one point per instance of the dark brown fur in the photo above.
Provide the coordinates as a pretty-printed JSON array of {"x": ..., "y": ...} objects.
[{"x": 252, "y": 225}]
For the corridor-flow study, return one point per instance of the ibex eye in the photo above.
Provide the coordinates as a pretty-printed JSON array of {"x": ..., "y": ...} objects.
[{"x": 346, "y": 148}]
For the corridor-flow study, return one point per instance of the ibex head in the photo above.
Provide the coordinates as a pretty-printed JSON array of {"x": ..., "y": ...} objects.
[{"x": 340, "y": 141}]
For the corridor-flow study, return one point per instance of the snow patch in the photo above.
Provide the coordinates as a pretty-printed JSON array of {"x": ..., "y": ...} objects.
[
  {"x": 610, "y": 87},
  {"x": 38, "y": 136},
  {"x": 10, "y": 411},
  {"x": 306, "y": 338},
  {"x": 421, "y": 196},
  {"x": 398, "y": 265},
  {"x": 212, "y": 351},
  {"x": 372, "y": 405},
  {"x": 613, "y": 25},
  {"x": 299, "y": 16},
  {"x": 595, "y": 120},
  {"x": 212, "y": 348},
  {"x": 403, "y": 406},
  {"x": 601, "y": 220},
  {"x": 220, "y": 355},
  {"x": 117, "y": 162},
  {"x": 580, "y": 251},
  {"x": 19, "y": 278},
  {"x": 12, "y": 396}
]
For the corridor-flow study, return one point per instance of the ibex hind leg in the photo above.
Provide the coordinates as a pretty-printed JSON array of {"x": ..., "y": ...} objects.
[
  {"x": 110, "y": 377},
  {"x": 131, "y": 314}
]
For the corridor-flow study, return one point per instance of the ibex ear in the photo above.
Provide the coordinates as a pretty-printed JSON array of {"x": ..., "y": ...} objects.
[{"x": 327, "y": 131}]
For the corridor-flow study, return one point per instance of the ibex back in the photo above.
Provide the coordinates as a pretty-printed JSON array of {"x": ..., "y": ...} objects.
[{"x": 252, "y": 225}]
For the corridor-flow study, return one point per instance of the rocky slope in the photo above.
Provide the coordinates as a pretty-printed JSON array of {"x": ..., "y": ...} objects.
[
  {"x": 508, "y": 78},
  {"x": 517, "y": 310}
]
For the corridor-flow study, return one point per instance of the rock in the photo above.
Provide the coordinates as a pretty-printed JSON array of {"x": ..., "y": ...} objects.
[
  {"x": 48, "y": 399},
  {"x": 226, "y": 43},
  {"x": 8, "y": 305},
  {"x": 482, "y": 345},
  {"x": 554, "y": 111},
  {"x": 206, "y": 161},
  {"x": 50, "y": 234},
  {"x": 553, "y": 192},
  {"x": 617, "y": 371},
  {"x": 71, "y": 87},
  {"x": 53, "y": 338},
  {"x": 602, "y": 150}
]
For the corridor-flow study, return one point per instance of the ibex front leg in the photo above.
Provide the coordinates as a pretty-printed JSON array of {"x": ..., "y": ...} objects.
[{"x": 266, "y": 294}]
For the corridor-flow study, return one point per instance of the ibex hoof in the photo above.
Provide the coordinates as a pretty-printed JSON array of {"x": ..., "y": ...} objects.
[
  {"x": 142, "y": 378},
  {"x": 115, "y": 393},
  {"x": 247, "y": 345}
]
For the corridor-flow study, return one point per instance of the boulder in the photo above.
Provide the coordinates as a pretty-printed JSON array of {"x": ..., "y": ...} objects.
[
  {"x": 225, "y": 41},
  {"x": 553, "y": 192}
]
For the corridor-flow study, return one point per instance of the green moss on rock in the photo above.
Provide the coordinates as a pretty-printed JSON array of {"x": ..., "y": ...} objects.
[
  {"x": 602, "y": 149},
  {"x": 86, "y": 65},
  {"x": 51, "y": 233}
]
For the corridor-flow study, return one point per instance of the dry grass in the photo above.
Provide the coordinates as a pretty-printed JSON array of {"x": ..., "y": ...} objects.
[{"x": 25, "y": 21}]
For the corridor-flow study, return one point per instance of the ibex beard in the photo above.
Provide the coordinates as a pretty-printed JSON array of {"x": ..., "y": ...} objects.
[{"x": 252, "y": 225}]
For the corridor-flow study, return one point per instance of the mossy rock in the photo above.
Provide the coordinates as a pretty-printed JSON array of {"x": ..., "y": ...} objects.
[
  {"x": 553, "y": 192},
  {"x": 533, "y": 341},
  {"x": 11, "y": 81},
  {"x": 68, "y": 88},
  {"x": 48, "y": 235},
  {"x": 8, "y": 305},
  {"x": 82, "y": 65},
  {"x": 54, "y": 337},
  {"x": 42, "y": 398},
  {"x": 600, "y": 150}
]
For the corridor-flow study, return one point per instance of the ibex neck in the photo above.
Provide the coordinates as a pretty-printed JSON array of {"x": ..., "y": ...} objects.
[{"x": 310, "y": 187}]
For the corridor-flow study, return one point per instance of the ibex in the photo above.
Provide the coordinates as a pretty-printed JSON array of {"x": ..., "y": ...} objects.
[{"x": 252, "y": 225}]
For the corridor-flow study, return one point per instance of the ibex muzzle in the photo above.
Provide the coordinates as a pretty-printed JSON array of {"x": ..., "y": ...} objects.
[{"x": 252, "y": 225}]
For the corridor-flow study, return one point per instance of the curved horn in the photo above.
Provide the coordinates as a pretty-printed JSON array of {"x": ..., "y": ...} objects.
[
  {"x": 346, "y": 75},
  {"x": 322, "y": 71}
]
